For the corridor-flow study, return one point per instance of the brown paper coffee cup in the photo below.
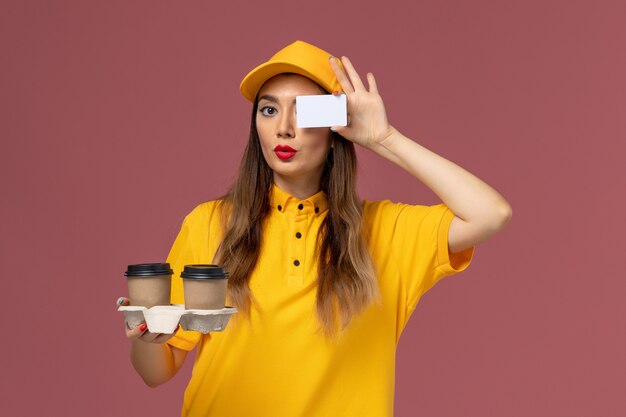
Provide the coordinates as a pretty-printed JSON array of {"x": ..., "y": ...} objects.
[
  {"x": 149, "y": 285},
  {"x": 204, "y": 286}
]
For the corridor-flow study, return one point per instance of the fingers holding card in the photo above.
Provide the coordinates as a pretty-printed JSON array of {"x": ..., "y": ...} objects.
[{"x": 321, "y": 110}]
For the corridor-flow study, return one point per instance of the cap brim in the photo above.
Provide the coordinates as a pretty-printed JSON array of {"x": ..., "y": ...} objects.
[{"x": 252, "y": 83}]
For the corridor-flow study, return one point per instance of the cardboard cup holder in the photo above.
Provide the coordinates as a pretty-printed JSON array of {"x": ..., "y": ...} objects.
[{"x": 164, "y": 319}]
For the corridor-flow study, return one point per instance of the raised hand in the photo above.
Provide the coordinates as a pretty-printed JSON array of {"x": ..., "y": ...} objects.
[{"x": 367, "y": 119}]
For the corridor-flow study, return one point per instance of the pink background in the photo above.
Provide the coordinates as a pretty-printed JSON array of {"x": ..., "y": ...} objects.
[{"x": 118, "y": 117}]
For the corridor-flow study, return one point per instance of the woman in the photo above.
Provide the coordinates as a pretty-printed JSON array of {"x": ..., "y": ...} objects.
[{"x": 324, "y": 283}]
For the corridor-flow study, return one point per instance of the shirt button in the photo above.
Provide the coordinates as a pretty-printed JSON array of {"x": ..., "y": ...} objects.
[
  {"x": 296, "y": 262},
  {"x": 280, "y": 208},
  {"x": 298, "y": 235},
  {"x": 317, "y": 209},
  {"x": 300, "y": 206}
]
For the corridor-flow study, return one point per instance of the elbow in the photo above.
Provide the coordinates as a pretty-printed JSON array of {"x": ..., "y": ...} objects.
[
  {"x": 152, "y": 383},
  {"x": 506, "y": 212},
  {"x": 501, "y": 217},
  {"x": 495, "y": 219},
  {"x": 153, "y": 379}
]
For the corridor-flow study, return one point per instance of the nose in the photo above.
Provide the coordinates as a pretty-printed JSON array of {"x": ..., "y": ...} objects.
[{"x": 286, "y": 125}]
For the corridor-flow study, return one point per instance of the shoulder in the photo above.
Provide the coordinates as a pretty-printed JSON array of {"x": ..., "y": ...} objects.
[
  {"x": 377, "y": 208},
  {"x": 387, "y": 208},
  {"x": 205, "y": 212}
]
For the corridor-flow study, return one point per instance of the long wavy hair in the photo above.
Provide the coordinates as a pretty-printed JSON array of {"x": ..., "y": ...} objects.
[{"x": 346, "y": 281}]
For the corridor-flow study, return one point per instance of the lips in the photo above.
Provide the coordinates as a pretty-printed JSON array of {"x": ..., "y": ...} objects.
[{"x": 284, "y": 152}]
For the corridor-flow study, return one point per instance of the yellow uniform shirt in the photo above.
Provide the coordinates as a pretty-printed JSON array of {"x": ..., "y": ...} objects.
[{"x": 278, "y": 364}]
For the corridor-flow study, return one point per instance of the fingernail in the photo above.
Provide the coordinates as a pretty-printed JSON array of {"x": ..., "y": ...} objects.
[
  {"x": 336, "y": 93},
  {"x": 333, "y": 129},
  {"x": 330, "y": 57},
  {"x": 143, "y": 327},
  {"x": 120, "y": 301}
]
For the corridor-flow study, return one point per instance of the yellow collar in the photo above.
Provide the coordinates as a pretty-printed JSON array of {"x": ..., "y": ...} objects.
[{"x": 286, "y": 203}]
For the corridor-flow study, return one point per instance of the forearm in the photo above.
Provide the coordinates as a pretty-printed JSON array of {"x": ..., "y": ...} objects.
[
  {"x": 155, "y": 363},
  {"x": 469, "y": 198}
]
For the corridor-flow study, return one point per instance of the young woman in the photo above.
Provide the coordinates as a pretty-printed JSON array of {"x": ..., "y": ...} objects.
[{"x": 323, "y": 281}]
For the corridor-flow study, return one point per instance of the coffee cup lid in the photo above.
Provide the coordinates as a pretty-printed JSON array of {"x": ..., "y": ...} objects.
[
  {"x": 204, "y": 271},
  {"x": 148, "y": 270}
]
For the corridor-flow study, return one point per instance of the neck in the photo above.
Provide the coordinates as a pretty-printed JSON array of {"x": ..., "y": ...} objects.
[{"x": 299, "y": 187}]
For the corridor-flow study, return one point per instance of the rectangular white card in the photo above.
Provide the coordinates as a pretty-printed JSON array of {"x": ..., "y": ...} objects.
[{"x": 321, "y": 110}]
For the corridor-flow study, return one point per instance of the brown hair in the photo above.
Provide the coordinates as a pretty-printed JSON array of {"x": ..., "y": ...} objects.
[{"x": 346, "y": 278}]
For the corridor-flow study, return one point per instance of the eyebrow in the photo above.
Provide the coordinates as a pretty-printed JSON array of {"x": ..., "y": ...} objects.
[
  {"x": 271, "y": 98},
  {"x": 268, "y": 98}
]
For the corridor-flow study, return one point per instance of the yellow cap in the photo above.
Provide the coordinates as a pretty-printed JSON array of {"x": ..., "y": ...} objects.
[{"x": 300, "y": 58}]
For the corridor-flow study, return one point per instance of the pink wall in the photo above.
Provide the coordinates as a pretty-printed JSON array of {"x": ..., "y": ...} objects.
[{"x": 118, "y": 117}]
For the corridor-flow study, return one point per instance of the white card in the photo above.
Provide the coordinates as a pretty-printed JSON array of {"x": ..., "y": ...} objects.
[{"x": 321, "y": 110}]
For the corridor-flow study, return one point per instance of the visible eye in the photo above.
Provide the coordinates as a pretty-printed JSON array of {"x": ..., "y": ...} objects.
[{"x": 267, "y": 111}]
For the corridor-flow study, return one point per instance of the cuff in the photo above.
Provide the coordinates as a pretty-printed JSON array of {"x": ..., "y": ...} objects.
[
  {"x": 448, "y": 264},
  {"x": 185, "y": 340}
]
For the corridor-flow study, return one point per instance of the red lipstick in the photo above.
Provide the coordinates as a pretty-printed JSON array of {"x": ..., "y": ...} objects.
[{"x": 284, "y": 152}]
